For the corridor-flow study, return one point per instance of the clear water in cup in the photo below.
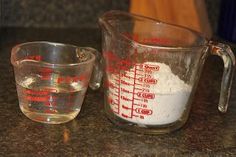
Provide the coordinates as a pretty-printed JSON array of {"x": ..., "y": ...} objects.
[{"x": 49, "y": 102}]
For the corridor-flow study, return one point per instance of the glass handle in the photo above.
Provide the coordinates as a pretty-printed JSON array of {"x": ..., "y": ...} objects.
[
  {"x": 97, "y": 74},
  {"x": 225, "y": 52}
]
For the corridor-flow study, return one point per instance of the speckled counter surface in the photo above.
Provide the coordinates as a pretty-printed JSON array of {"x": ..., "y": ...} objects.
[{"x": 207, "y": 132}]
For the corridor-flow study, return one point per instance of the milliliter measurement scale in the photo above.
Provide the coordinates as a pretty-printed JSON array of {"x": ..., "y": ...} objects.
[{"x": 129, "y": 90}]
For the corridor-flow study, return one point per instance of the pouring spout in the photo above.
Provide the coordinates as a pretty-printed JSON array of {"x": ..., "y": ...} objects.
[
  {"x": 115, "y": 22},
  {"x": 105, "y": 23}
]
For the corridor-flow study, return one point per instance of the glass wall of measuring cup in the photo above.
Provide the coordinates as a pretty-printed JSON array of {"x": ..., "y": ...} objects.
[
  {"x": 52, "y": 79},
  {"x": 152, "y": 70}
]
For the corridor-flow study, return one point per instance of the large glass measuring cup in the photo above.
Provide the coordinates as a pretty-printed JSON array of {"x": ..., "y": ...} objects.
[
  {"x": 152, "y": 70},
  {"x": 52, "y": 79}
]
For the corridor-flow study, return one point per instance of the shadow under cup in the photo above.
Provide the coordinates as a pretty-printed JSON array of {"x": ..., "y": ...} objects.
[{"x": 51, "y": 79}]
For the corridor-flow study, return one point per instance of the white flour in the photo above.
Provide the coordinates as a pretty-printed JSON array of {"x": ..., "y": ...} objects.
[{"x": 160, "y": 97}]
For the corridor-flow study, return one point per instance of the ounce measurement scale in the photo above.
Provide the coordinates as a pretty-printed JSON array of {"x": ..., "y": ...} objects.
[{"x": 147, "y": 93}]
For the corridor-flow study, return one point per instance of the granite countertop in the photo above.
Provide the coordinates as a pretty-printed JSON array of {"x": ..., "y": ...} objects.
[{"x": 207, "y": 132}]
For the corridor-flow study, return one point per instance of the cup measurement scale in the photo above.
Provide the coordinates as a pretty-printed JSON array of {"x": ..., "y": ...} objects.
[{"x": 129, "y": 88}]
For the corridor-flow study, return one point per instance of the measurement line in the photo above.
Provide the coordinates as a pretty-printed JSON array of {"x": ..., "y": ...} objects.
[
  {"x": 140, "y": 74},
  {"x": 139, "y": 89},
  {"x": 138, "y": 99},
  {"x": 125, "y": 107},
  {"x": 116, "y": 94},
  {"x": 129, "y": 77},
  {"x": 140, "y": 70},
  {"x": 124, "y": 115},
  {"x": 115, "y": 87},
  {"x": 119, "y": 94},
  {"x": 132, "y": 108}
]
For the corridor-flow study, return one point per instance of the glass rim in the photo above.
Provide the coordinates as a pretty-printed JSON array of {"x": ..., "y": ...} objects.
[
  {"x": 16, "y": 48},
  {"x": 195, "y": 33}
]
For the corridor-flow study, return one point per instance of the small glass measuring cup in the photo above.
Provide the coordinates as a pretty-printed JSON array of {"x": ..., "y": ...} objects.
[
  {"x": 52, "y": 79},
  {"x": 152, "y": 70}
]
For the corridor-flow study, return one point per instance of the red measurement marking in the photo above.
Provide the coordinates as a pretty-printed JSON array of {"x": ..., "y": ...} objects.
[
  {"x": 37, "y": 99},
  {"x": 125, "y": 107},
  {"x": 147, "y": 76},
  {"x": 117, "y": 80},
  {"x": 118, "y": 100},
  {"x": 146, "y": 90},
  {"x": 151, "y": 40},
  {"x": 135, "y": 72},
  {"x": 70, "y": 79},
  {"x": 146, "y": 95},
  {"x": 138, "y": 89},
  {"x": 125, "y": 90},
  {"x": 141, "y": 105},
  {"x": 138, "y": 70},
  {"x": 138, "y": 99},
  {"x": 146, "y": 85},
  {"x": 115, "y": 94},
  {"x": 63, "y": 79},
  {"x": 126, "y": 83},
  {"x": 150, "y": 80},
  {"x": 139, "y": 74},
  {"x": 46, "y": 70},
  {"x": 36, "y": 57},
  {"x": 148, "y": 71},
  {"x": 138, "y": 84},
  {"x": 36, "y": 92},
  {"x": 150, "y": 67},
  {"x": 125, "y": 98},
  {"x": 111, "y": 85},
  {"x": 114, "y": 104},
  {"x": 143, "y": 111},
  {"x": 124, "y": 115},
  {"x": 126, "y": 76}
]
